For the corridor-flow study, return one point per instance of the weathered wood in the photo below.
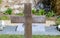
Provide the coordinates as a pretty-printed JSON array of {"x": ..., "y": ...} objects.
[
  {"x": 28, "y": 20},
  {"x": 35, "y": 19}
]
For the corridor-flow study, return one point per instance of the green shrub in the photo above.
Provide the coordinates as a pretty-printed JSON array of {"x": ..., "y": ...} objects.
[
  {"x": 50, "y": 14},
  {"x": 33, "y": 11},
  {"x": 8, "y": 11},
  {"x": 40, "y": 12}
]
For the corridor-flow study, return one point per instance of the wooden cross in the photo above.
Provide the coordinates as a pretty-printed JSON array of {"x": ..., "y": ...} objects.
[{"x": 27, "y": 19}]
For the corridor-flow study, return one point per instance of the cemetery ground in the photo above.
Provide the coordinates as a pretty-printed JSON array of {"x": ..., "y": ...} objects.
[
  {"x": 22, "y": 36},
  {"x": 12, "y": 35}
]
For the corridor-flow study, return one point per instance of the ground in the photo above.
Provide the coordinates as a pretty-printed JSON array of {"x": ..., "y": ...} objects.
[{"x": 21, "y": 36}]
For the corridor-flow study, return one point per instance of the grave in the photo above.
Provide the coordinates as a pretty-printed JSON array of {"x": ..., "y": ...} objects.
[
  {"x": 36, "y": 27},
  {"x": 28, "y": 19}
]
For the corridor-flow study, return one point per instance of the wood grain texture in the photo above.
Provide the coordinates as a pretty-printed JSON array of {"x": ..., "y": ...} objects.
[
  {"x": 28, "y": 20},
  {"x": 21, "y": 19}
]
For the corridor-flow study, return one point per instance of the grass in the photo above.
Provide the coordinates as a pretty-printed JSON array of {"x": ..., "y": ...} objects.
[
  {"x": 4, "y": 18},
  {"x": 34, "y": 36},
  {"x": 0, "y": 1},
  {"x": 20, "y": 14},
  {"x": 58, "y": 21}
]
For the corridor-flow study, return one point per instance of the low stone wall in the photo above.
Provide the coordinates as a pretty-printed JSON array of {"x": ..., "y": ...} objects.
[
  {"x": 50, "y": 22},
  {"x": 8, "y": 23}
]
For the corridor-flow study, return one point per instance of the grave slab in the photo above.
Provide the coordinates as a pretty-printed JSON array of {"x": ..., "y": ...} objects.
[{"x": 36, "y": 27}]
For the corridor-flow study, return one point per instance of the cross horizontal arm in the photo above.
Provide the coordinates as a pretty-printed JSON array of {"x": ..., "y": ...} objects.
[{"x": 35, "y": 19}]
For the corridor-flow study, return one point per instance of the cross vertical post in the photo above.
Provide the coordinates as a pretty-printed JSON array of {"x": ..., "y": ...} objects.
[{"x": 28, "y": 20}]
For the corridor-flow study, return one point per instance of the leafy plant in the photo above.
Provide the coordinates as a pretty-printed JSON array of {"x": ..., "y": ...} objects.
[
  {"x": 50, "y": 14},
  {"x": 40, "y": 12},
  {"x": 8, "y": 11},
  {"x": 33, "y": 11}
]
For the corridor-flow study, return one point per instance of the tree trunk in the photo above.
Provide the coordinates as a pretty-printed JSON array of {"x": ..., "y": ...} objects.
[{"x": 56, "y": 6}]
